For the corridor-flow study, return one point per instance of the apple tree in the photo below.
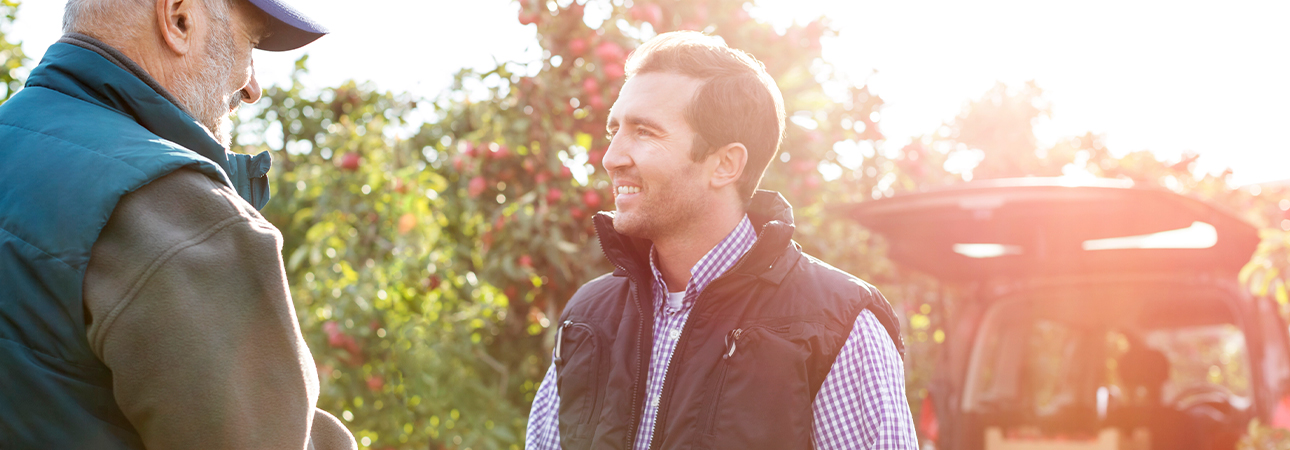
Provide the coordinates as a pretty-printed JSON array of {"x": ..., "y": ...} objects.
[{"x": 12, "y": 58}]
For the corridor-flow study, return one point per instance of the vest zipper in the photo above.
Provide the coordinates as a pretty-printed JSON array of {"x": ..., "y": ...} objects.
[
  {"x": 710, "y": 419},
  {"x": 559, "y": 339},
  {"x": 642, "y": 360},
  {"x": 665, "y": 400},
  {"x": 731, "y": 340}
]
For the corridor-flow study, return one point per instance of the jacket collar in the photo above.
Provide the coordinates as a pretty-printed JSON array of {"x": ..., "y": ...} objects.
[
  {"x": 87, "y": 69},
  {"x": 771, "y": 216}
]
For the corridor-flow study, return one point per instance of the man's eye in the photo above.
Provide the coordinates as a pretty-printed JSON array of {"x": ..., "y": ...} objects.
[{"x": 644, "y": 133}]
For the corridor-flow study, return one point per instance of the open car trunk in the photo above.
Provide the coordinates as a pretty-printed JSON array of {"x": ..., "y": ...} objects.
[{"x": 1032, "y": 227}]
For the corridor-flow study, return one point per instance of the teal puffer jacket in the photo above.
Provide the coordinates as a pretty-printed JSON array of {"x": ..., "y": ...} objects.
[{"x": 83, "y": 132}]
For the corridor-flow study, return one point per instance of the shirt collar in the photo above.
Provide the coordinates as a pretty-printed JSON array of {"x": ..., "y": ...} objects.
[{"x": 716, "y": 262}]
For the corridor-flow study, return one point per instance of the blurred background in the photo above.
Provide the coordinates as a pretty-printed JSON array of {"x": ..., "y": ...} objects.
[{"x": 437, "y": 162}]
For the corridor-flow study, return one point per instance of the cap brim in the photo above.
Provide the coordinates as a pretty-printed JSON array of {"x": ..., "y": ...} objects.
[{"x": 289, "y": 29}]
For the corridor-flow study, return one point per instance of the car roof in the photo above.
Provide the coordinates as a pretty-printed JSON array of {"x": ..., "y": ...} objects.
[{"x": 1035, "y": 227}]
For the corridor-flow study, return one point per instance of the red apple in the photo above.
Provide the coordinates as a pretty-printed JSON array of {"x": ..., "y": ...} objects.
[
  {"x": 804, "y": 166},
  {"x": 350, "y": 161},
  {"x": 477, "y": 186},
  {"x": 375, "y": 383},
  {"x": 432, "y": 282},
  {"x": 354, "y": 358},
  {"x": 527, "y": 17},
  {"x": 577, "y": 46},
  {"x": 655, "y": 16},
  {"x": 526, "y": 261},
  {"x": 542, "y": 178},
  {"x": 613, "y": 70},
  {"x": 407, "y": 222},
  {"x": 591, "y": 199},
  {"x": 335, "y": 337},
  {"x": 609, "y": 51},
  {"x": 554, "y": 195}
]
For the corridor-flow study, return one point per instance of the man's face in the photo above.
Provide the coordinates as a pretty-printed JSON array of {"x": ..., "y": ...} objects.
[
  {"x": 657, "y": 187},
  {"x": 223, "y": 74}
]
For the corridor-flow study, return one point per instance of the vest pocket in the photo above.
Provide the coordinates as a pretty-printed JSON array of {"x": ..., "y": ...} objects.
[
  {"x": 577, "y": 361},
  {"x": 759, "y": 396}
]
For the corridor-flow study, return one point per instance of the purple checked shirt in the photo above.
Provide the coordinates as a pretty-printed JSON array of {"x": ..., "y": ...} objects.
[{"x": 861, "y": 404}]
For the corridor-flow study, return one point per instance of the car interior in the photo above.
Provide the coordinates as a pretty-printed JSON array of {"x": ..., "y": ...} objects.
[{"x": 1144, "y": 368}]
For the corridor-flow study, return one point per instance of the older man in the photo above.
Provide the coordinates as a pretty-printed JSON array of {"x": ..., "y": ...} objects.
[
  {"x": 143, "y": 302},
  {"x": 715, "y": 331}
]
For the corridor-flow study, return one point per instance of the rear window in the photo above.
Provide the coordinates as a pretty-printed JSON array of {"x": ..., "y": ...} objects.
[
  {"x": 1041, "y": 365},
  {"x": 1203, "y": 355}
]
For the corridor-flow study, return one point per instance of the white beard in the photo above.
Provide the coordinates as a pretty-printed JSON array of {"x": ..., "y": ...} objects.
[{"x": 204, "y": 93}]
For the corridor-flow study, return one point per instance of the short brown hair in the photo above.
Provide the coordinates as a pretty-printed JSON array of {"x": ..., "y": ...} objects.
[{"x": 737, "y": 102}]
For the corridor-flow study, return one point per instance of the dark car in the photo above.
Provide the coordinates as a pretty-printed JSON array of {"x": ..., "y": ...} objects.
[{"x": 1100, "y": 316}]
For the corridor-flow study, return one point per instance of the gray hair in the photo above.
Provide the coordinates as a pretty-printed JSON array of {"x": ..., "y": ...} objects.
[{"x": 123, "y": 17}]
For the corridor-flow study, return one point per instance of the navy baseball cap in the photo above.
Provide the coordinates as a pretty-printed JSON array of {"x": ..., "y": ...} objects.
[{"x": 290, "y": 29}]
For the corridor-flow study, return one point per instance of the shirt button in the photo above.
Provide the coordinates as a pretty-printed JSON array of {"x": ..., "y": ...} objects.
[
  {"x": 654, "y": 403},
  {"x": 674, "y": 334}
]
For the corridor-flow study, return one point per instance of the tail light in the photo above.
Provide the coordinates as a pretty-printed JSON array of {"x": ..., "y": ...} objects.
[
  {"x": 1281, "y": 415},
  {"x": 929, "y": 427}
]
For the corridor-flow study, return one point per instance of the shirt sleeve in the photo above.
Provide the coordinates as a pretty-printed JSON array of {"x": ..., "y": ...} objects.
[
  {"x": 543, "y": 431},
  {"x": 862, "y": 404},
  {"x": 189, "y": 308}
]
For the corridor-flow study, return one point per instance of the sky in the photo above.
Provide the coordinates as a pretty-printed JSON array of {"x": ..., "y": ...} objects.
[{"x": 1166, "y": 76}]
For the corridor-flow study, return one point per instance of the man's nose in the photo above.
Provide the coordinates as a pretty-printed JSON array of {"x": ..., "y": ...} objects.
[
  {"x": 615, "y": 156},
  {"x": 251, "y": 92}
]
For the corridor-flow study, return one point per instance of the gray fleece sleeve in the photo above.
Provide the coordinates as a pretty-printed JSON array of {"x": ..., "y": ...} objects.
[{"x": 187, "y": 304}]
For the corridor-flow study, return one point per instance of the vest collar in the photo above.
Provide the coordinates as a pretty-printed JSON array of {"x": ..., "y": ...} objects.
[
  {"x": 771, "y": 216},
  {"x": 87, "y": 69}
]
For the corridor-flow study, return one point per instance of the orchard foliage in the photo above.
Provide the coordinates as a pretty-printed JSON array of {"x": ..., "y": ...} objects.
[{"x": 12, "y": 58}]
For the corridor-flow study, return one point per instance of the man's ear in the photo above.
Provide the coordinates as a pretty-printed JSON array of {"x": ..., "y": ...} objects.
[
  {"x": 730, "y": 161},
  {"x": 177, "y": 24}
]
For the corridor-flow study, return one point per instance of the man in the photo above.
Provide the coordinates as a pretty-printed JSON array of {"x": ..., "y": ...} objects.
[
  {"x": 144, "y": 303},
  {"x": 715, "y": 331}
]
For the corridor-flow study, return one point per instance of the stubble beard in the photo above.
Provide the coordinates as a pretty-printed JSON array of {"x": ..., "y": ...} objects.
[
  {"x": 203, "y": 93},
  {"x": 663, "y": 212}
]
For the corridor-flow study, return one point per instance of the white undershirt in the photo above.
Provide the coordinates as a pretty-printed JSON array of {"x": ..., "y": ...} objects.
[{"x": 674, "y": 300}]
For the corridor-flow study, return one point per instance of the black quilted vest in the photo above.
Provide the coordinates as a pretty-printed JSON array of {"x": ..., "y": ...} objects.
[{"x": 753, "y": 353}]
